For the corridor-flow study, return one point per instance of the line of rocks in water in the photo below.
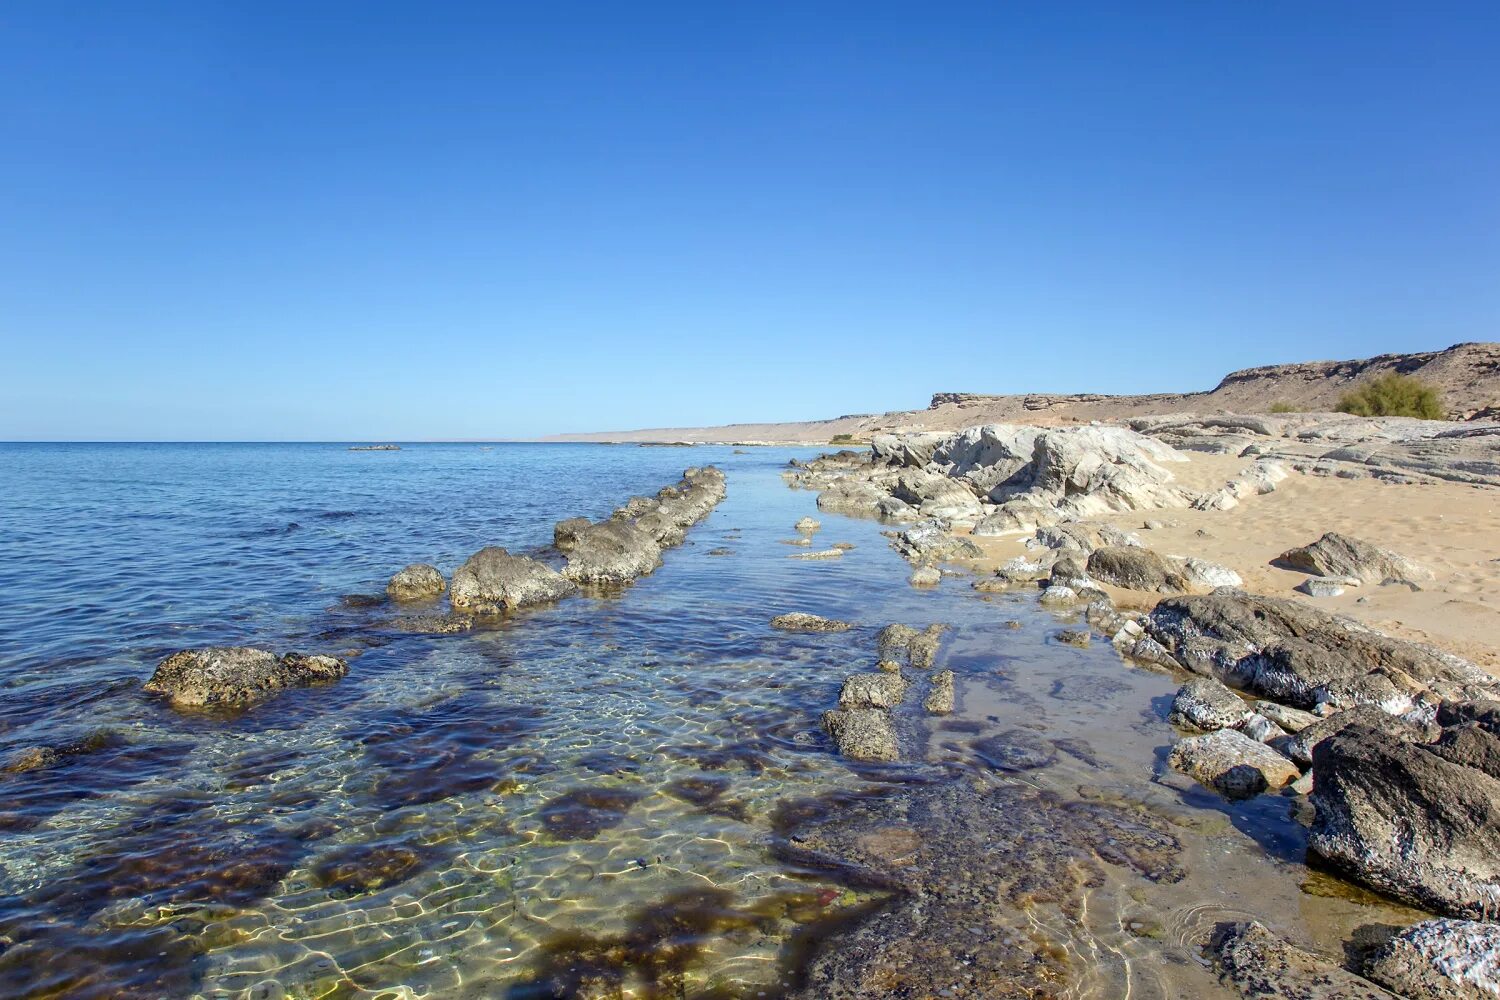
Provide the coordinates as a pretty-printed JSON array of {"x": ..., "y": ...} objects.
[
  {"x": 862, "y": 726},
  {"x": 611, "y": 552}
]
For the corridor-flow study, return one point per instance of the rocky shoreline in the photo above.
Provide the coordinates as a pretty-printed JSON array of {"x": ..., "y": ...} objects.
[{"x": 1393, "y": 744}]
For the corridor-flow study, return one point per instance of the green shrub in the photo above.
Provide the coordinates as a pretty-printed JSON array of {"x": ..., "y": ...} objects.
[
  {"x": 842, "y": 439},
  {"x": 1280, "y": 407},
  {"x": 1394, "y": 396}
]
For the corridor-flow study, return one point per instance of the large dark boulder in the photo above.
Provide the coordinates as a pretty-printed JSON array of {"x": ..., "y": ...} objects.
[
  {"x": 1404, "y": 821},
  {"x": 492, "y": 581},
  {"x": 237, "y": 675}
]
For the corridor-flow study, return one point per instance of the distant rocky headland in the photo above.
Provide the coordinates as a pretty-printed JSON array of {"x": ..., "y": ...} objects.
[{"x": 1467, "y": 376}]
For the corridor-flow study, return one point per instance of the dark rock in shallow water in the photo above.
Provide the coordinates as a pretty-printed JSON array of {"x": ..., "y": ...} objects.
[
  {"x": 237, "y": 675},
  {"x": 417, "y": 582},
  {"x": 431, "y": 624},
  {"x": 971, "y": 871},
  {"x": 492, "y": 581},
  {"x": 1441, "y": 960},
  {"x": 1260, "y": 964},
  {"x": 584, "y": 813},
  {"x": 367, "y": 867},
  {"x": 863, "y": 733},
  {"x": 918, "y": 649},
  {"x": 1406, "y": 822},
  {"x": 1013, "y": 751}
]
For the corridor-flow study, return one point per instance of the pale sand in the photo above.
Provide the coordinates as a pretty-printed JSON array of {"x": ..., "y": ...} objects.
[{"x": 1451, "y": 529}]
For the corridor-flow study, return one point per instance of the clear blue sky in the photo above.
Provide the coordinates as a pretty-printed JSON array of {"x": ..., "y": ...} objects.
[{"x": 373, "y": 220}]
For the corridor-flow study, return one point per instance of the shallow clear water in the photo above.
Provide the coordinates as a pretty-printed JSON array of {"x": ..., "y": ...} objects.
[{"x": 477, "y": 815}]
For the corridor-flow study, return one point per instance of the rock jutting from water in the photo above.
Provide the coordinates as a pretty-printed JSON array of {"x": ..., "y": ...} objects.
[
  {"x": 417, "y": 582},
  {"x": 1259, "y": 964},
  {"x": 230, "y": 676},
  {"x": 493, "y": 581}
]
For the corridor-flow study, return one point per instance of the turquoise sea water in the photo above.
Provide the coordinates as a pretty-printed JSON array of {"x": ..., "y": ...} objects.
[{"x": 481, "y": 815}]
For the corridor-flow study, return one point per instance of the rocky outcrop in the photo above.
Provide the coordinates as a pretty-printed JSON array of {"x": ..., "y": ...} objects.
[
  {"x": 493, "y": 581},
  {"x": 565, "y": 533},
  {"x": 1232, "y": 764},
  {"x": 1294, "y": 654},
  {"x": 1441, "y": 960},
  {"x": 1300, "y": 746},
  {"x": 228, "y": 676},
  {"x": 917, "y": 649},
  {"x": 799, "y": 621},
  {"x": 1341, "y": 557},
  {"x": 1404, "y": 821},
  {"x": 1261, "y": 965},
  {"x": 417, "y": 582}
]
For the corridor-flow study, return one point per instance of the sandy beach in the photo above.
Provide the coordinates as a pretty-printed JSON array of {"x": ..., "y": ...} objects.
[{"x": 1452, "y": 529}]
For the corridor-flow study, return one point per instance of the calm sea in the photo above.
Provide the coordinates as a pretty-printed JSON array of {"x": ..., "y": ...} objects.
[{"x": 463, "y": 816}]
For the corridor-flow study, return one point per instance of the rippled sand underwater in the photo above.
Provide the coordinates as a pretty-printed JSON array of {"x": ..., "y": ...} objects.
[{"x": 606, "y": 797}]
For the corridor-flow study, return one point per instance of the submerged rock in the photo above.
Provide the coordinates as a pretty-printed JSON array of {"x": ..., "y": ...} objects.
[
  {"x": 1406, "y": 822},
  {"x": 492, "y": 581},
  {"x": 237, "y": 675},
  {"x": 1260, "y": 964},
  {"x": 863, "y": 733},
  {"x": 820, "y": 554},
  {"x": 416, "y": 582},
  {"x": 1232, "y": 764},
  {"x": 1339, "y": 556},
  {"x": 800, "y": 621},
  {"x": 1441, "y": 960}
]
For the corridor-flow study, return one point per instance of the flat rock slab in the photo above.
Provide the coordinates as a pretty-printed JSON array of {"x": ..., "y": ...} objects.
[{"x": 237, "y": 675}]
